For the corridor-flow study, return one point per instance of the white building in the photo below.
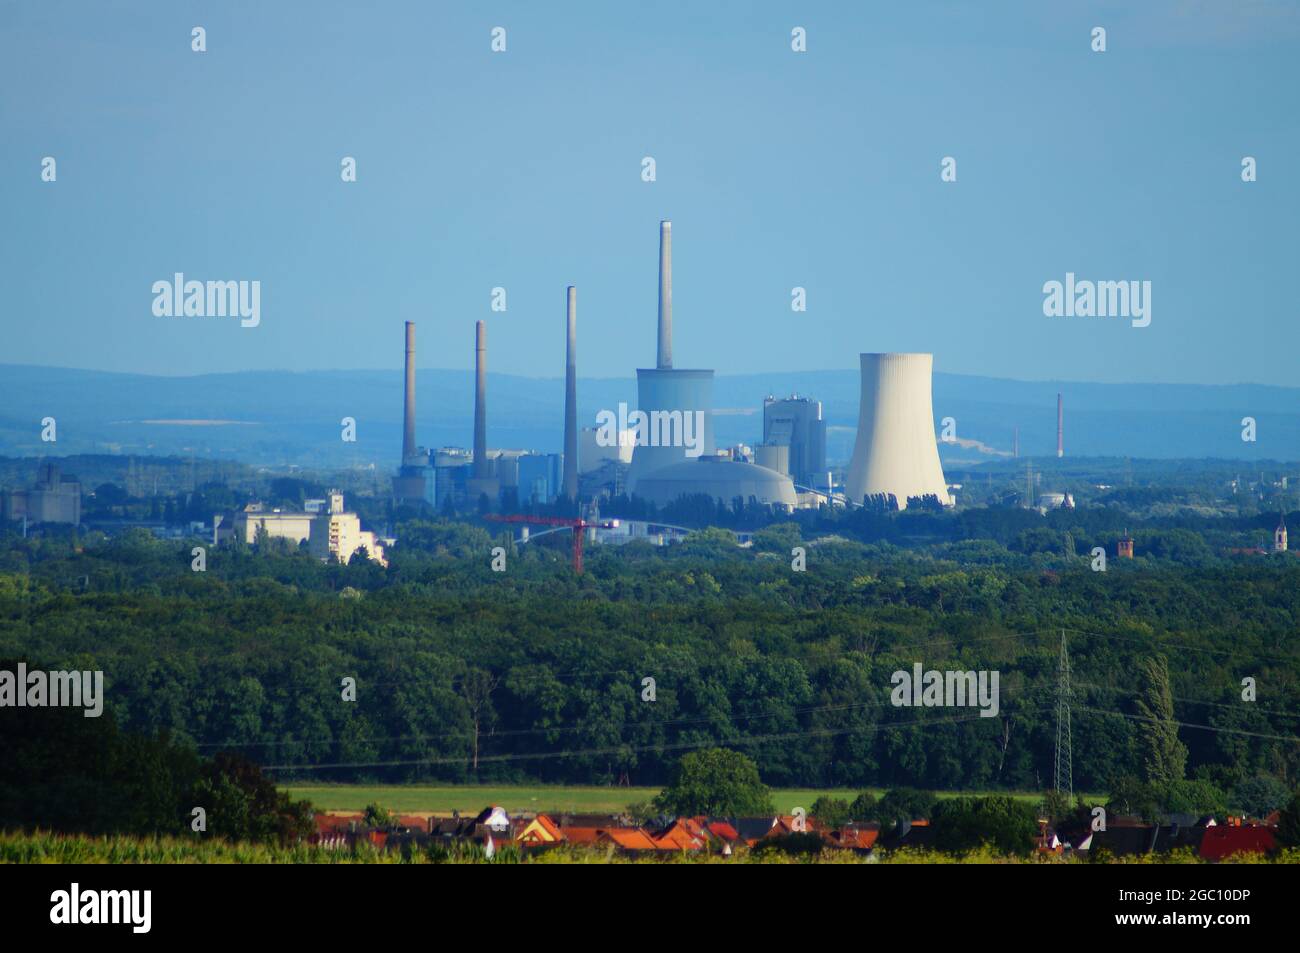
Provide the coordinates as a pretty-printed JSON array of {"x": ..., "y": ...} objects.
[{"x": 338, "y": 535}]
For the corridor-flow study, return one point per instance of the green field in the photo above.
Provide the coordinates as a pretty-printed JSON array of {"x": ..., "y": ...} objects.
[{"x": 470, "y": 799}]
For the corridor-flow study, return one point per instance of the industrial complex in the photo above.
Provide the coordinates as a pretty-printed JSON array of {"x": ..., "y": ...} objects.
[{"x": 665, "y": 448}]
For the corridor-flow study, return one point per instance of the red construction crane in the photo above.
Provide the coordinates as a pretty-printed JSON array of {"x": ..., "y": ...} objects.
[{"x": 575, "y": 523}]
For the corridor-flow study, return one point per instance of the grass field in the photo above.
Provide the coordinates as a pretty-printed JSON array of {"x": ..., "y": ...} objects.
[{"x": 467, "y": 799}]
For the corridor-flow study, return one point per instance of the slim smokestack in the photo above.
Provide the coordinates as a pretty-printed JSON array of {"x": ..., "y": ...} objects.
[
  {"x": 571, "y": 400},
  {"x": 408, "y": 405},
  {"x": 481, "y": 470},
  {"x": 665, "y": 295},
  {"x": 1015, "y": 444},
  {"x": 1060, "y": 426}
]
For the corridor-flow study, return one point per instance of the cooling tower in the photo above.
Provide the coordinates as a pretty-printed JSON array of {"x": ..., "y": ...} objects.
[
  {"x": 670, "y": 398},
  {"x": 570, "y": 485},
  {"x": 896, "y": 451}
]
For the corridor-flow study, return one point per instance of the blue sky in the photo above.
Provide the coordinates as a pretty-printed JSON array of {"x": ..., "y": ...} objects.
[{"x": 522, "y": 170}]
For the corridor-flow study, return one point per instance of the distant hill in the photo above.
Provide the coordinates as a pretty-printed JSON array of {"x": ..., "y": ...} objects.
[{"x": 281, "y": 417}]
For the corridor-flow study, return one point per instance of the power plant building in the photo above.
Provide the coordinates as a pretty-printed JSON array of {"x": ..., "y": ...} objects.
[
  {"x": 896, "y": 452},
  {"x": 726, "y": 480},
  {"x": 54, "y": 499},
  {"x": 667, "y": 395},
  {"x": 797, "y": 423}
]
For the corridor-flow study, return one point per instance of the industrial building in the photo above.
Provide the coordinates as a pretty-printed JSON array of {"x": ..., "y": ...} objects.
[
  {"x": 54, "y": 499},
  {"x": 666, "y": 390},
  {"x": 896, "y": 452},
  {"x": 722, "y": 478},
  {"x": 796, "y": 424},
  {"x": 255, "y": 520},
  {"x": 663, "y": 472},
  {"x": 329, "y": 531}
]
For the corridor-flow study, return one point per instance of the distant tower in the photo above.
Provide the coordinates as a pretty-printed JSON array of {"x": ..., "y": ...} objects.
[
  {"x": 1279, "y": 534},
  {"x": 482, "y": 482},
  {"x": 1060, "y": 427},
  {"x": 413, "y": 483},
  {"x": 1015, "y": 445},
  {"x": 1125, "y": 547},
  {"x": 1064, "y": 741},
  {"x": 570, "y": 488},
  {"x": 481, "y": 468},
  {"x": 409, "y": 452},
  {"x": 665, "y": 356}
]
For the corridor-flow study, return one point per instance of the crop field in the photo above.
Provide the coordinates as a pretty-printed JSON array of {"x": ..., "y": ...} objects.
[{"x": 467, "y": 799}]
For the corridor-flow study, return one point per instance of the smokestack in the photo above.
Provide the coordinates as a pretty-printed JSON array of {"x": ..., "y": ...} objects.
[
  {"x": 571, "y": 400},
  {"x": 665, "y": 295},
  {"x": 408, "y": 405},
  {"x": 481, "y": 470},
  {"x": 1060, "y": 427}
]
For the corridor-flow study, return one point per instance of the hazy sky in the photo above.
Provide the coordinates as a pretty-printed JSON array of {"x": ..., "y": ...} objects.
[{"x": 779, "y": 169}]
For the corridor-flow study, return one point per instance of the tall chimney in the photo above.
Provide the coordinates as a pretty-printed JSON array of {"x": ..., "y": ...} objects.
[
  {"x": 665, "y": 295},
  {"x": 1060, "y": 427},
  {"x": 571, "y": 400},
  {"x": 481, "y": 470},
  {"x": 408, "y": 404}
]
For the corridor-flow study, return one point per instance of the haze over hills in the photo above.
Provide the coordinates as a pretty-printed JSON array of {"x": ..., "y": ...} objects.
[{"x": 269, "y": 417}]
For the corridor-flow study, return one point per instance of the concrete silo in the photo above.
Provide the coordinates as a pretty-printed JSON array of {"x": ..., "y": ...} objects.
[{"x": 896, "y": 451}]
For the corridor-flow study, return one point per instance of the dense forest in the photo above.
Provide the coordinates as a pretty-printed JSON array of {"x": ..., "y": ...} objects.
[{"x": 534, "y": 673}]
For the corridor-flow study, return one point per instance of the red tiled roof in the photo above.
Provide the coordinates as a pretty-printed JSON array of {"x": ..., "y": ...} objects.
[
  {"x": 854, "y": 838},
  {"x": 1223, "y": 841},
  {"x": 582, "y": 835},
  {"x": 631, "y": 838},
  {"x": 723, "y": 831}
]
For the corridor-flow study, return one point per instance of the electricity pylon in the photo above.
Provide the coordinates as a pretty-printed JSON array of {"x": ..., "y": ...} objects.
[{"x": 1064, "y": 752}]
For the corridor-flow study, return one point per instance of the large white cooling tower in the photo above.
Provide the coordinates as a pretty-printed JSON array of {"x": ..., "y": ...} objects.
[{"x": 896, "y": 451}]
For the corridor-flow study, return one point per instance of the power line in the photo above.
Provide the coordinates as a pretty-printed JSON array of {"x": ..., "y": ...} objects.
[
  {"x": 1187, "y": 724},
  {"x": 627, "y": 749}
]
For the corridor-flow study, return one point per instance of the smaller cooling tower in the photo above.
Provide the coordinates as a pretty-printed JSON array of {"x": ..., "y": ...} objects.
[{"x": 896, "y": 450}]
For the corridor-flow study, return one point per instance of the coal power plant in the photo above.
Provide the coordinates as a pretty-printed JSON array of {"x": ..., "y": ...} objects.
[
  {"x": 669, "y": 397},
  {"x": 896, "y": 453},
  {"x": 671, "y": 438}
]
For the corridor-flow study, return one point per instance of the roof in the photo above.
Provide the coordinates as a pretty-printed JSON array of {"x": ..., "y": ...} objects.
[
  {"x": 718, "y": 477},
  {"x": 1223, "y": 841},
  {"x": 549, "y": 830},
  {"x": 854, "y": 838},
  {"x": 582, "y": 835},
  {"x": 631, "y": 838}
]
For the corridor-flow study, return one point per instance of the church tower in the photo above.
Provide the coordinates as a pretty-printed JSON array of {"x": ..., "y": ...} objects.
[{"x": 1279, "y": 535}]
